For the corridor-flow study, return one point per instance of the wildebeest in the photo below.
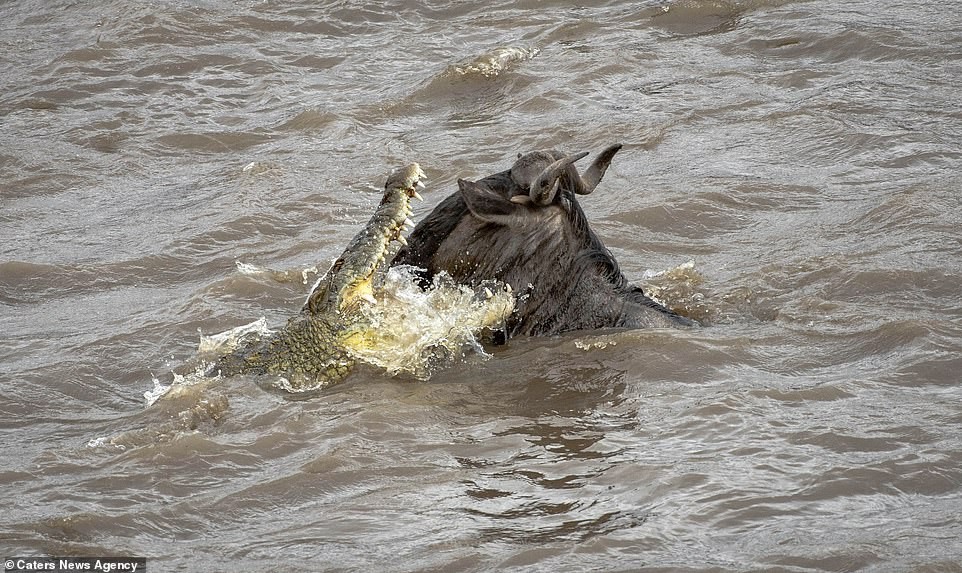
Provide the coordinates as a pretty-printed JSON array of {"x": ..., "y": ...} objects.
[{"x": 524, "y": 226}]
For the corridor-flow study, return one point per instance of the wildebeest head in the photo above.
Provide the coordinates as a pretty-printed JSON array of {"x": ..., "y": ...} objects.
[
  {"x": 541, "y": 173},
  {"x": 524, "y": 226}
]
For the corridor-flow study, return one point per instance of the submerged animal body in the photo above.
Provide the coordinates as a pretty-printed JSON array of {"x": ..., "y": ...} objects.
[
  {"x": 320, "y": 345},
  {"x": 524, "y": 226},
  {"x": 520, "y": 230}
]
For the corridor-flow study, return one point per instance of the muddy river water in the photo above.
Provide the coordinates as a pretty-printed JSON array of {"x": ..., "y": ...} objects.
[{"x": 791, "y": 178}]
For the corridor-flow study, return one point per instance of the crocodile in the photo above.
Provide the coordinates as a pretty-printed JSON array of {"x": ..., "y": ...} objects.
[{"x": 316, "y": 348}]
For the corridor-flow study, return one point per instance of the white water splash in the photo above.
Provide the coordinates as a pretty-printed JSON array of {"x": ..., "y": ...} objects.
[
  {"x": 409, "y": 330},
  {"x": 104, "y": 442},
  {"x": 416, "y": 331},
  {"x": 684, "y": 267},
  {"x": 178, "y": 384},
  {"x": 224, "y": 342},
  {"x": 208, "y": 346},
  {"x": 680, "y": 289},
  {"x": 248, "y": 269},
  {"x": 493, "y": 63}
]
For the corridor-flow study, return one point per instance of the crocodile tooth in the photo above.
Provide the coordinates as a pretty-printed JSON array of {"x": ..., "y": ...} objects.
[
  {"x": 417, "y": 196},
  {"x": 402, "y": 240},
  {"x": 369, "y": 298},
  {"x": 419, "y": 184},
  {"x": 408, "y": 222},
  {"x": 488, "y": 293}
]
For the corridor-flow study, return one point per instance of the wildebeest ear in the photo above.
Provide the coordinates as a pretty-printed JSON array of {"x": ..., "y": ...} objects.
[{"x": 486, "y": 204}]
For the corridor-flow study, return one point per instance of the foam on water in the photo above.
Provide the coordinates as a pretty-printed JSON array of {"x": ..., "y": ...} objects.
[
  {"x": 176, "y": 386},
  {"x": 413, "y": 331},
  {"x": 247, "y": 268},
  {"x": 305, "y": 276},
  {"x": 208, "y": 347},
  {"x": 418, "y": 331},
  {"x": 680, "y": 289},
  {"x": 496, "y": 61},
  {"x": 224, "y": 342}
]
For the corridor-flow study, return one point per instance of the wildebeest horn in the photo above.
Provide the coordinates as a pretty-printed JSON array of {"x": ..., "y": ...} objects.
[
  {"x": 545, "y": 186},
  {"x": 586, "y": 183}
]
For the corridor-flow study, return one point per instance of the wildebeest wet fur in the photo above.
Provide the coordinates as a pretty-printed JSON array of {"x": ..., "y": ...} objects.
[{"x": 512, "y": 226}]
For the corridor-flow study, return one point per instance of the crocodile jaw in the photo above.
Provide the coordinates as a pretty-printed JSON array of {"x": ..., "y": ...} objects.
[
  {"x": 350, "y": 280},
  {"x": 312, "y": 350}
]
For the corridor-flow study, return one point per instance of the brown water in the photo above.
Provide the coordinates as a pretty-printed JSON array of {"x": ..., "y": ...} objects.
[{"x": 805, "y": 156}]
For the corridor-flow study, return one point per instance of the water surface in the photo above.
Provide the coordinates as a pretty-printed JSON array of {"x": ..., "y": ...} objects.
[{"x": 803, "y": 157}]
